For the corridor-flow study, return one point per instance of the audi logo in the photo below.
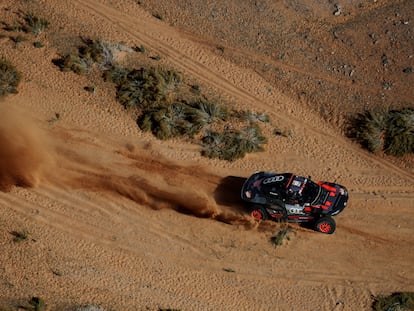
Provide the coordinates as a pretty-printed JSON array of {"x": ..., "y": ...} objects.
[{"x": 273, "y": 179}]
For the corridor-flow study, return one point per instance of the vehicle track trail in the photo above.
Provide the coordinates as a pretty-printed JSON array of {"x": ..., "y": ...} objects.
[{"x": 161, "y": 38}]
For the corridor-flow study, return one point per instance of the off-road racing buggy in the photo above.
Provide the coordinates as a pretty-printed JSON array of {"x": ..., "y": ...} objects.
[{"x": 292, "y": 198}]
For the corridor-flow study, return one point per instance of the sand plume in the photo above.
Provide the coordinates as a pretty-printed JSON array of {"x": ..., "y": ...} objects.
[{"x": 24, "y": 151}]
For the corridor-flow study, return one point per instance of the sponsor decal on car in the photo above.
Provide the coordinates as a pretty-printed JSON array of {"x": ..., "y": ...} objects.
[{"x": 273, "y": 179}]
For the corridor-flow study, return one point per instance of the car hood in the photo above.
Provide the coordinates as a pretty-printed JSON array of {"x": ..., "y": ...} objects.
[{"x": 332, "y": 198}]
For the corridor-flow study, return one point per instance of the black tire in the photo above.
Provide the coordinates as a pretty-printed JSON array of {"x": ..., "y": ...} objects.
[
  {"x": 325, "y": 225},
  {"x": 259, "y": 213}
]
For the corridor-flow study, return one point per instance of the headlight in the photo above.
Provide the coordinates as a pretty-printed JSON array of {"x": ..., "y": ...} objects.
[{"x": 248, "y": 194}]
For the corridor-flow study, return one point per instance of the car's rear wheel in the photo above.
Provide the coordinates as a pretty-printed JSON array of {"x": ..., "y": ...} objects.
[
  {"x": 258, "y": 213},
  {"x": 325, "y": 225}
]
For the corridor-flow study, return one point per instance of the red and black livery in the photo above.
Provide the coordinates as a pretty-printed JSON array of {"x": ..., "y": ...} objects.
[{"x": 293, "y": 198}]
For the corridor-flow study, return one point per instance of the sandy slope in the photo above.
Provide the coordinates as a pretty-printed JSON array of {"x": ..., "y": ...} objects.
[{"x": 118, "y": 219}]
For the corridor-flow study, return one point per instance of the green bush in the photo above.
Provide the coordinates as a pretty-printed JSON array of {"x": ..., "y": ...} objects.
[
  {"x": 369, "y": 128},
  {"x": 233, "y": 145},
  {"x": 399, "y": 137},
  {"x": 9, "y": 78},
  {"x": 251, "y": 138},
  {"x": 256, "y": 117},
  {"x": 38, "y": 44},
  {"x": 35, "y": 24},
  {"x": 76, "y": 63},
  {"x": 18, "y": 39},
  {"x": 209, "y": 110},
  {"x": 170, "y": 121},
  {"x": 102, "y": 52},
  {"x": 37, "y": 304},
  {"x": 90, "y": 53},
  {"x": 167, "y": 106},
  {"x": 116, "y": 74},
  {"x": 397, "y": 301},
  {"x": 145, "y": 87},
  {"x": 141, "y": 88},
  {"x": 283, "y": 234},
  {"x": 389, "y": 131}
]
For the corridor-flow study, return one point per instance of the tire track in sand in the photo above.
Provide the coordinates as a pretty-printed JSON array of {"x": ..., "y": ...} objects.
[{"x": 211, "y": 75}]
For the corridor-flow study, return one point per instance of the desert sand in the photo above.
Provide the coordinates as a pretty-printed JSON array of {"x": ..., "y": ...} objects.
[{"x": 118, "y": 219}]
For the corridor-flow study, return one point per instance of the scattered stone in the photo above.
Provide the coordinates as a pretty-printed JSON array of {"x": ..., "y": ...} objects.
[
  {"x": 338, "y": 10},
  {"x": 384, "y": 60},
  {"x": 386, "y": 85},
  {"x": 374, "y": 37},
  {"x": 408, "y": 70}
]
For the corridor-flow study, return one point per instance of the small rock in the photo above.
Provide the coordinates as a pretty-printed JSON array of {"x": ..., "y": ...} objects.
[
  {"x": 386, "y": 85},
  {"x": 338, "y": 10},
  {"x": 384, "y": 60},
  {"x": 408, "y": 70}
]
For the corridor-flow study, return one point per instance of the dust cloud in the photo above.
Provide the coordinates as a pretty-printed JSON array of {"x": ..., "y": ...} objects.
[
  {"x": 29, "y": 155},
  {"x": 158, "y": 184},
  {"x": 24, "y": 152},
  {"x": 155, "y": 182}
]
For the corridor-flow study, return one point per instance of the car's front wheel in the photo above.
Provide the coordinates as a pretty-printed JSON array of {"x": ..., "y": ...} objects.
[
  {"x": 258, "y": 213},
  {"x": 325, "y": 225}
]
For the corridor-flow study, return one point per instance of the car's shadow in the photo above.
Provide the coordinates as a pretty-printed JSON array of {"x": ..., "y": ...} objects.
[{"x": 227, "y": 193}]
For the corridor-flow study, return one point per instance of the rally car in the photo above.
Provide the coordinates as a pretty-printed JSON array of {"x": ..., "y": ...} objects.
[{"x": 288, "y": 197}]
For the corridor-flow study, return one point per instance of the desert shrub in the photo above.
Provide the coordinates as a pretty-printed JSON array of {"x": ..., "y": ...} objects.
[
  {"x": 283, "y": 234},
  {"x": 209, "y": 110},
  {"x": 195, "y": 88},
  {"x": 140, "y": 88},
  {"x": 369, "y": 129},
  {"x": 19, "y": 236},
  {"x": 399, "y": 136},
  {"x": 389, "y": 131},
  {"x": 38, "y": 44},
  {"x": 92, "y": 52},
  {"x": 256, "y": 117},
  {"x": 18, "y": 39},
  {"x": 395, "y": 302},
  {"x": 167, "y": 106},
  {"x": 233, "y": 145},
  {"x": 140, "y": 49},
  {"x": 170, "y": 82},
  {"x": 9, "y": 78},
  {"x": 102, "y": 52},
  {"x": 35, "y": 24},
  {"x": 13, "y": 28},
  {"x": 221, "y": 146},
  {"x": 116, "y": 74},
  {"x": 251, "y": 138},
  {"x": 144, "y": 87},
  {"x": 75, "y": 63},
  {"x": 37, "y": 304},
  {"x": 170, "y": 121}
]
